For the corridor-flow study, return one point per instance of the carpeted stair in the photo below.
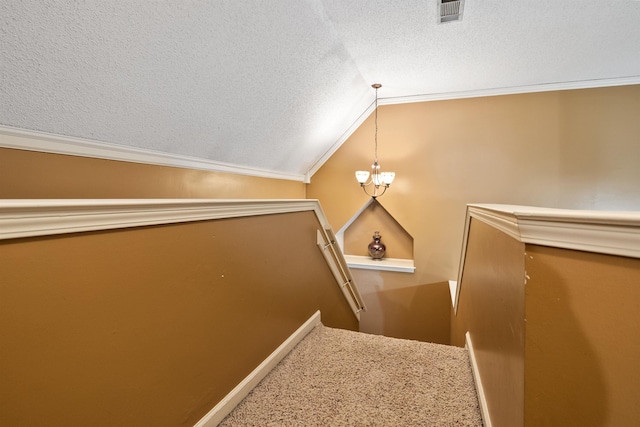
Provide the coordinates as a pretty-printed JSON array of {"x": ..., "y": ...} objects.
[{"x": 335, "y": 377}]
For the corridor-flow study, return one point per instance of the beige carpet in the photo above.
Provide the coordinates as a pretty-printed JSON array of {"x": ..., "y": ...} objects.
[{"x": 342, "y": 378}]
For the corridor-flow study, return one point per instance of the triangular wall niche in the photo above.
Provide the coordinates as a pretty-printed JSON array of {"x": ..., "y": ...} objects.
[{"x": 356, "y": 234}]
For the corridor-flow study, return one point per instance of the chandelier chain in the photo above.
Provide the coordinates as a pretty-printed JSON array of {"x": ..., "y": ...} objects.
[{"x": 376, "y": 135}]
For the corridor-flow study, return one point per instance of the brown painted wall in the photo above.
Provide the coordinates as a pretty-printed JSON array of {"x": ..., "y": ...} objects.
[
  {"x": 582, "y": 338},
  {"x": 397, "y": 309},
  {"x": 492, "y": 308},
  {"x": 153, "y": 325},
  {"x": 561, "y": 349},
  {"x": 34, "y": 175},
  {"x": 565, "y": 149}
]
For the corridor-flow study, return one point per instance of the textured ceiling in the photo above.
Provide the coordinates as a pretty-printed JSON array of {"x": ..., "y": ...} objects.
[{"x": 277, "y": 84}]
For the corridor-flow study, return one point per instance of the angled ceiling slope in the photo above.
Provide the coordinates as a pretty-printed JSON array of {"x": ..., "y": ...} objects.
[{"x": 273, "y": 88}]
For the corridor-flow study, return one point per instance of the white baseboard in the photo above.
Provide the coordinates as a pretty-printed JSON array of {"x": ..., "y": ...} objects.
[
  {"x": 235, "y": 396},
  {"x": 484, "y": 409}
]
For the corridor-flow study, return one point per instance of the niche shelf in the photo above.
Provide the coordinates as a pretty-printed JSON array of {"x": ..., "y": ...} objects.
[{"x": 357, "y": 233}]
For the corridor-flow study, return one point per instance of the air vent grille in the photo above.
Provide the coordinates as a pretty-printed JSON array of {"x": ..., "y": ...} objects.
[{"x": 450, "y": 10}]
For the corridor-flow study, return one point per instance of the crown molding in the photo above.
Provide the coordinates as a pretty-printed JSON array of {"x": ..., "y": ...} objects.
[
  {"x": 581, "y": 84},
  {"x": 343, "y": 138},
  {"x": 23, "y": 139},
  {"x": 514, "y": 90}
]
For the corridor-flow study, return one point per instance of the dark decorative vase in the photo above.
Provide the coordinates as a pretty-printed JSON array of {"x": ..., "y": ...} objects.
[{"x": 377, "y": 248}]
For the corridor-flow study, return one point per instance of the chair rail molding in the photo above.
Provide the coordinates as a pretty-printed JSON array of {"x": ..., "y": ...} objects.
[
  {"x": 40, "y": 217},
  {"x": 606, "y": 232}
]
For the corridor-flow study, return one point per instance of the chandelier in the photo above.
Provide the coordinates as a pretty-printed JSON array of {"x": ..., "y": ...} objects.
[{"x": 375, "y": 183}]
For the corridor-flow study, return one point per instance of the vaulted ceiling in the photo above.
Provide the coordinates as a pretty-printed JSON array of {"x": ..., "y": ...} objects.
[{"x": 277, "y": 85}]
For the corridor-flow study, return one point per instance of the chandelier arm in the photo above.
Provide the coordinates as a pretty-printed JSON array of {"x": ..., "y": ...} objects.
[
  {"x": 364, "y": 187},
  {"x": 384, "y": 189},
  {"x": 375, "y": 189}
]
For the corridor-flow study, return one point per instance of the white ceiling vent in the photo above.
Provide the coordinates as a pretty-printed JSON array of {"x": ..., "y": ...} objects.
[{"x": 450, "y": 10}]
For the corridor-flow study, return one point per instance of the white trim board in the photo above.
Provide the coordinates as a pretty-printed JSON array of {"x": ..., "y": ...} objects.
[
  {"x": 235, "y": 396},
  {"x": 41, "y": 217},
  {"x": 605, "y": 232},
  {"x": 453, "y": 291},
  {"x": 482, "y": 400},
  {"x": 386, "y": 264},
  {"x": 515, "y": 90},
  {"x": 340, "y": 233},
  {"x": 29, "y": 140}
]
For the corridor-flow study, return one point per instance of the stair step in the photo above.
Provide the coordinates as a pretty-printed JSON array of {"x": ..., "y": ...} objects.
[{"x": 339, "y": 377}]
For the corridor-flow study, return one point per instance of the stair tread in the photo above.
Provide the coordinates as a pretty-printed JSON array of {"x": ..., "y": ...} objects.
[{"x": 340, "y": 377}]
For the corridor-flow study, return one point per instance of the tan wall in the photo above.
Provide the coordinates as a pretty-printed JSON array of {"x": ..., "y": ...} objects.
[
  {"x": 153, "y": 325},
  {"x": 600, "y": 148},
  {"x": 492, "y": 309},
  {"x": 561, "y": 349},
  {"x": 567, "y": 149},
  {"x": 34, "y": 175},
  {"x": 582, "y": 338},
  {"x": 397, "y": 309}
]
